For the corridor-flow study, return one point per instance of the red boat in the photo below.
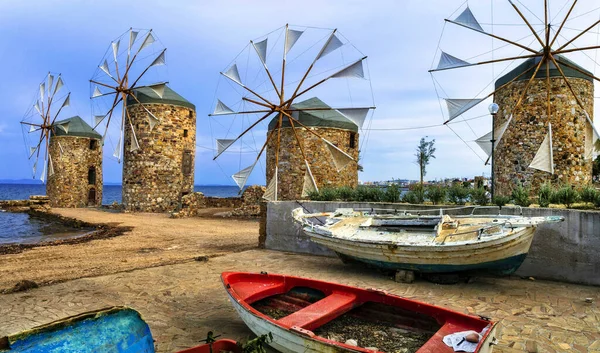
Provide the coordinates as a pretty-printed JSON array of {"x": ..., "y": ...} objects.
[
  {"x": 306, "y": 315},
  {"x": 223, "y": 345}
]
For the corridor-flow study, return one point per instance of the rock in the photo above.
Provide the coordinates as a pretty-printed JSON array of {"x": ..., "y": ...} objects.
[
  {"x": 351, "y": 342},
  {"x": 531, "y": 346},
  {"x": 589, "y": 300},
  {"x": 22, "y": 286},
  {"x": 404, "y": 276},
  {"x": 201, "y": 258},
  {"x": 531, "y": 279}
]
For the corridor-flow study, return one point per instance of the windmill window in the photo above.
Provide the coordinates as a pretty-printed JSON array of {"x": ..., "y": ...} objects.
[
  {"x": 191, "y": 114},
  {"x": 92, "y": 176},
  {"x": 93, "y": 144},
  {"x": 185, "y": 133},
  {"x": 352, "y": 140},
  {"x": 186, "y": 165}
]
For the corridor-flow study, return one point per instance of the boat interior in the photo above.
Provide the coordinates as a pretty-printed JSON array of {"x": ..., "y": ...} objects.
[{"x": 336, "y": 313}]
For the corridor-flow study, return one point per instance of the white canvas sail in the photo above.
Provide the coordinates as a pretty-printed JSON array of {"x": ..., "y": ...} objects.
[
  {"x": 309, "y": 184},
  {"x": 134, "y": 141},
  {"x": 241, "y": 177},
  {"x": 356, "y": 115},
  {"x": 59, "y": 85},
  {"x": 261, "y": 50},
  {"x": 223, "y": 144},
  {"x": 115, "y": 48},
  {"x": 592, "y": 138},
  {"x": 466, "y": 18},
  {"x": 353, "y": 71},
  {"x": 456, "y": 107},
  {"x": 448, "y": 61},
  {"x": 104, "y": 67},
  {"x": 485, "y": 142},
  {"x": 31, "y": 128},
  {"x": 50, "y": 166},
  {"x": 152, "y": 121},
  {"x": 117, "y": 152},
  {"x": 332, "y": 44},
  {"x": 64, "y": 127},
  {"x": 98, "y": 119},
  {"x": 97, "y": 92},
  {"x": 221, "y": 108},
  {"x": 147, "y": 41},
  {"x": 160, "y": 60},
  {"x": 291, "y": 37},
  {"x": 543, "y": 159},
  {"x": 271, "y": 192},
  {"x": 159, "y": 89},
  {"x": 340, "y": 158},
  {"x": 233, "y": 74}
]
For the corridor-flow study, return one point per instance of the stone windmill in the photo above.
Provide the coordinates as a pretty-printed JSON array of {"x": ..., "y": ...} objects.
[
  {"x": 309, "y": 143},
  {"x": 542, "y": 128}
]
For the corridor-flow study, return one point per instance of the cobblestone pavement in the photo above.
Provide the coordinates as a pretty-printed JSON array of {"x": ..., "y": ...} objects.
[{"x": 181, "y": 302}]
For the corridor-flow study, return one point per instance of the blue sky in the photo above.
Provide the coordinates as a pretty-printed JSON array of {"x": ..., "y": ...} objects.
[{"x": 400, "y": 37}]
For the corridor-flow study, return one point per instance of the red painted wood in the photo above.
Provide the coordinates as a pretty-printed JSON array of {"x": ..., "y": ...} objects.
[
  {"x": 220, "y": 345},
  {"x": 321, "y": 312},
  {"x": 249, "y": 287}
]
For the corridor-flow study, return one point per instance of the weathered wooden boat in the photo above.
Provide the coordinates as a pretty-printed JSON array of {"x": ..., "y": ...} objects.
[
  {"x": 428, "y": 244},
  {"x": 111, "y": 330},
  {"x": 305, "y": 315},
  {"x": 223, "y": 345}
]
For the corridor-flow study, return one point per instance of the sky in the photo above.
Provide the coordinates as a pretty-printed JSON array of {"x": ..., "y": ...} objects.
[{"x": 402, "y": 40}]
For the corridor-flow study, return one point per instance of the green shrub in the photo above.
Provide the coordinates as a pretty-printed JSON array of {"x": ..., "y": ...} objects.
[
  {"x": 392, "y": 193},
  {"x": 597, "y": 200},
  {"x": 410, "y": 197},
  {"x": 346, "y": 193},
  {"x": 436, "y": 193},
  {"x": 588, "y": 194},
  {"x": 369, "y": 194},
  {"x": 325, "y": 194},
  {"x": 479, "y": 196},
  {"x": 419, "y": 192},
  {"x": 566, "y": 195},
  {"x": 500, "y": 200},
  {"x": 520, "y": 196},
  {"x": 458, "y": 194},
  {"x": 545, "y": 195}
]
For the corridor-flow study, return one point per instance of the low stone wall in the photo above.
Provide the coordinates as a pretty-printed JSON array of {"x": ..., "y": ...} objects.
[
  {"x": 566, "y": 251},
  {"x": 35, "y": 203},
  {"x": 248, "y": 205}
]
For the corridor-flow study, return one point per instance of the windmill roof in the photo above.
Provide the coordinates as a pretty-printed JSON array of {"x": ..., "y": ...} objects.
[
  {"x": 147, "y": 95},
  {"x": 77, "y": 127},
  {"x": 316, "y": 118},
  {"x": 532, "y": 62}
]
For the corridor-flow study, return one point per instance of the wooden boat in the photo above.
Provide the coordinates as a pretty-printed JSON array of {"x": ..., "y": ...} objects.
[
  {"x": 224, "y": 345},
  {"x": 111, "y": 330},
  {"x": 305, "y": 315},
  {"x": 428, "y": 244}
]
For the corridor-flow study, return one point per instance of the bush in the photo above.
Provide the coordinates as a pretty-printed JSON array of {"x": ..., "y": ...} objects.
[
  {"x": 458, "y": 194},
  {"x": 597, "y": 200},
  {"x": 500, "y": 200},
  {"x": 479, "y": 196},
  {"x": 520, "y": 196},
  {"x": 419, "y": 192},
  {"x": 324, "y": 194},
  {"x": 392, "y": 193},
  {"x": 436, "y": 194},
  {"x": 566, "y": 195},
  {"x": 410, "y": 197},
  {"x": 545, "y": 195},
  {"x": 369, "y": 194},
  {"x": 346, "y": 193},
  {"x": 588, "y": 194}
]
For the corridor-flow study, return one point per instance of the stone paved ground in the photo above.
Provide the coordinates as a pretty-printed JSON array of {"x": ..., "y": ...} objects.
[{"x": 181, "y": 302}]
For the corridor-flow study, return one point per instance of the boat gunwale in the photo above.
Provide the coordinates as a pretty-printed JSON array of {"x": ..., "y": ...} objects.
[{"x": 322, "y": 340}]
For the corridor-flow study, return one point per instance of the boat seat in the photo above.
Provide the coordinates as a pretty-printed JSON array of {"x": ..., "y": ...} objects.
[{"x": 321, "y": 312}]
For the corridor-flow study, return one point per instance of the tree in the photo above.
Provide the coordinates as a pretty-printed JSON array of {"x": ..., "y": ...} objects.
[
  {"x": 425, "y": 151},
  {"x": 596, "y": 168}
]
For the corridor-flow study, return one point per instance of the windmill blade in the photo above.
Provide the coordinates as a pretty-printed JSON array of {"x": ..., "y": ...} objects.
[
  {"x": 104, "y": 67},
  {"x": 222, "y": 109},
  {"x": 59, "y": 85},
  {"x": 271, "y": 192},
  {"x": 448, "y": 61},
  {"x": 309, "y": 185},
  {"x": 356, "y": 115},
  {"x": 466, "y": 18},
  {"x": 158, "y": 88},
  {"x": 98, "y": 119},
  {"x": 62, "y": 151},
  {"x": 333, "y": 43},
  {"x": 50, "y": 83},
  {"x": 50, "y": 166},
  {"x": 223, "y": 144},
  {"x": 97, "y": 92},
  {"x": 152, "y": 121},
  {"x": 117, "y": 152},
  {"x": 592, "y": 138},
  {"x": 291, "y": 37},
  {"x": 64, "y": 127},
  {"x": 340, "y": 158},
  {"x": 134, "y": 141},
  {"x": 543, "y": 159},
  {"x": 115, "y": 49},
  {"x": 353, "y": 71},
  {"x": 67, "y": 101},
  {"x": 34, "y": 169},
  {"x": 240, "y": 178},
  {"x": 160, "y": 59},
  {"x": 32, "y": 151},
  {"x": 43, "y": 176},
  {"x": 38, "y": 108},
  {"x": 457, "y": 107},
  {"x": 132, "y": 37},
  {"x": 42, "y": 89},
  {"x": 233, "y": 74},
  {"x": 31, "y": 128},
  {"x": 261, "y": 50},
  {"x": 147, "y": 41},
  {"x": 485, "y": 142}
]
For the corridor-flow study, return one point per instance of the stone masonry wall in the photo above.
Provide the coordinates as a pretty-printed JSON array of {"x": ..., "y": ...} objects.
[
  {"x": 70, "y": 186},
  {"x": 292, "y": 167},
  {"x": 528, "y": 128},
  {"x": 161, "y": 171}
]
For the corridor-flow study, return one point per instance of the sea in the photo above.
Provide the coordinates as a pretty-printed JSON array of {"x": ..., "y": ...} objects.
[{"x": 23, "y": 228}]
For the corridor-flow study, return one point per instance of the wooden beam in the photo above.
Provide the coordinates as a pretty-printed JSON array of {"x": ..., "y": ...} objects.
[
  {"x": 577, "y": 36},
  {"x": 270, "y": 106},
  {"x": 248, "y": 129},
  {"x": 267, "y": 70},
  {"x": 562, "y": 24},
  {"x": 580, "y": 70},
  {"x": 567, "y": 82},
  {"x": 244, "y": 112},
  {"x": 556, "y": 52},
  {"x": 527, "y": 23}
]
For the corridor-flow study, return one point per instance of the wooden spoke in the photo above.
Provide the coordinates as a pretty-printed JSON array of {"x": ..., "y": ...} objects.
[
  {"x": 59, "y": 110},
  {"x": 494, "y": 36},
  {"x": 304, "y": 126},
  {"x": 527, "y": 23},
  {"x": 281, "y": 96},
  {"x": 245, "y": 112},
  {"x": 248, "y": 129},
  {"x": 30, "y": 124},
  {"x": 297, "y": 139},
  {"x": 579, "y": 70},
  {"x": 576, "y": 37},
  {"x": 546, "y": 24},
  {"x": 562, "y": 24},
  {"x": 103, "y": 84},
  {"x": 575, "y": 49},
  {"x": 567, "y": 82},
  {"x": 539, "y": 65},
  {"x": 548, "y": 89},
  {"x": 270, "y": 106},
  {"x": 115, "y": 103},
  {"x": 279, "y": 124},
  {"x": 324, "y": 108},
  {"x": 267, "y": 70},
  {"x": 490, "y": 62},
  {"x": 145, "y": 70}
]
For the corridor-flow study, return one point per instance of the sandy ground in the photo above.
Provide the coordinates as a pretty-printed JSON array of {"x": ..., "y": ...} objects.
[{"x": 155, "y": 240}]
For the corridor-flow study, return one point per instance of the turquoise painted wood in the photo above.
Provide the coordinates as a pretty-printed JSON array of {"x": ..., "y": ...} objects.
[{"x": 112, "y": 330}]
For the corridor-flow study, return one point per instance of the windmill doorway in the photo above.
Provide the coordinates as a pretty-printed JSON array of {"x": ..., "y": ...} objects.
[{"x": 91, "y": 197}]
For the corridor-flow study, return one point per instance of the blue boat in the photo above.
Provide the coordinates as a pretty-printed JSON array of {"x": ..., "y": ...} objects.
[{"x": 110, "y": 330}]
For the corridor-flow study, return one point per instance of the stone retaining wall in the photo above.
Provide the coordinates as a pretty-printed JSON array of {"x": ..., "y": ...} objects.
[
  {"x": 248, "y": 205},
  {"x": 35, "y": 203},
  {"x": 566, "y": 251}
]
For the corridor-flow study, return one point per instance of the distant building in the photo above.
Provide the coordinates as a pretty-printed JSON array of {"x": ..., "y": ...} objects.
[{"x": 75, "y": 150}]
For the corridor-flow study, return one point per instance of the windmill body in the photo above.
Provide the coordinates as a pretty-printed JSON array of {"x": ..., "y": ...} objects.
[
  {"x": 519, "y": 146},
  {"x": 335, "y": 128},
  {"x": 160, "y": 170},
  {"x": 76, "y": 155}
]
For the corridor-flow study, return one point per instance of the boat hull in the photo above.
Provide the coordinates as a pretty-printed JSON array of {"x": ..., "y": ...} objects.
[
  {"x": 112, "y": 330},
  {"x": 503, "y": 256},
  {"x": 217, "y": 346}
]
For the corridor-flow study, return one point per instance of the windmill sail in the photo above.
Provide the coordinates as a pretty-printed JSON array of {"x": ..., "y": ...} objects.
[
  {"x": 271, "y": 192},
  {"x": 159, "y": 89},
  {"x": 233, "y": 74},
  {"x": 340, "y": 158},
  {"x": 261, "y": 50},
  {"x": 466, "y": 18},
  {"x": 221, "y": 108},
  {"x": 356, "y": 115},
  {"x": 456, "y": 107},
  {"x": 59, "y": 84},
  {"x": 50, "y": 83},
  {"x": 291, "y": 37},
  {"x": 223, "y": 144},
  {"x": 354, "y": 70},
  {"x": 241, "y": 177},
  {"x": 543, "y": 159},
  {"x": 97, "y": 92},
  {"x": 98, "y": 119},
  {"x": 485, "y": 141},
  {"x": 50, "y": 166},
  {"x": 448, "y": 61},
  {"x": 592, "y": 138},
  {"x": 115, "y": 48},
  {"x": 134, "y": 141},
  {"x": 31, "y": 128},
  {"x": 332, "y": 44},
  {"x": 147, "y": 41},
  {"x": 309, "y": 184}
]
